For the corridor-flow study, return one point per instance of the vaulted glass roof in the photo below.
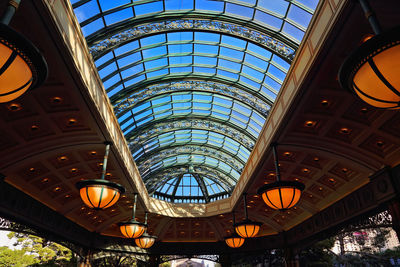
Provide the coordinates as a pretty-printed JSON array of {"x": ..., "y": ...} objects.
[{"x": 192, "y": 82}]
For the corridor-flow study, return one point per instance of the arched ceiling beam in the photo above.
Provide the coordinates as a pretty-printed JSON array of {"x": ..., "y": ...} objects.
[
  {"x": 203, "y": 161},
  {"x": 250, "y": 99},
  {"x": 105, "y": 40},
  {"x": 227, "y": 109},
  {"x": 192, "y": 13},
  {"x": 172, "y": 195},
  {"x": 153, "y": 179},
  {"x": 198, "y": 141},
  {"x": 121, "y": 96},
  {"x": 202, "y": 186},
  {"x": 126, "y": 92},
  {"x": 171, "y": 174},
  {"x": 207, "y": 125},
  {"x": 196, "y": 118},
  {"x": 178, "y": 117},
  {"x": 157, "y": 155},
  {"x": 178, "y": 181}
]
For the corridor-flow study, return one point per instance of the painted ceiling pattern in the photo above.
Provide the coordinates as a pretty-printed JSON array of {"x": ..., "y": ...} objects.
[{"x": 192, "y": 82}]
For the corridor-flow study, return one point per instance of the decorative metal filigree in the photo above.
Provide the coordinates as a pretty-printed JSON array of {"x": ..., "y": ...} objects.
[
  {"x": 16, "y": 227},
  {"x": 380, "y": 220},
  {"x": 161, "y": 127},
  {"x": 146, "y": 163},
  {"x": 254, "y": 101},
  {"x": 262, "y": 39},
  {"x": 24, "y": 229},
  {"x": 166, "y": 258}
]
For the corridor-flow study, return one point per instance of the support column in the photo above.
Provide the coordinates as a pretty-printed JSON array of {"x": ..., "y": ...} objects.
[
  {"x": 154, "y": 260},
  {"x": 225, "y": 260},
  {"x": 394, "y": 205},
  {"x": 84, "y": 259},
  {"x": 84, "y": 262},
  {"x": 141, "y": 264},
  {"x": 394, "y": 210},
  {"x": 291, "y": 258}
]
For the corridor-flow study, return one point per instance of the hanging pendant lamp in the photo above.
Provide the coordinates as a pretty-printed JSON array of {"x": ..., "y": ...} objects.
[
  {"x": 133, "y": 228},
  {"x": 372, "y": 70},
  {"x": 22, "y": 66},
  {"x": 280, "y": 195},
  {"x": 99, "y": 193},
  {"x": 234, "y": 240},
  {"x": 145, "y": 240},
  {"x": 247, "y": 228}
]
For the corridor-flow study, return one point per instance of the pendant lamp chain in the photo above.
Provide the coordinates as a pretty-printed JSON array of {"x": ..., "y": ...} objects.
[
  {"x": 370, "y": 15},
  {"x": 134, "y": 207},
  {"x": 105, "y": 160},
  {"x": 245, "y": 205},
  {"x": 277, "y": 168}
]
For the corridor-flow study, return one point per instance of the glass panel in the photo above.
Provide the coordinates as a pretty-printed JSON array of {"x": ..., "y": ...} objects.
[{"x": 193, "y": 74}]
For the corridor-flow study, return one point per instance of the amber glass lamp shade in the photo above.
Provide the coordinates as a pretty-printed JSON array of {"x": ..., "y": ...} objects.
[
  {"x": 234, "y": 241},
  {"x": 247, "y": 228},
  {"x": 372, "y": 70},
  {"x": 132, "y": 228},
  {"x": 281, "y": 195},
  {"x": 99, "y": 194},
  {"x": 22, "y": 67},
  {"x": 145, "y": 241}
]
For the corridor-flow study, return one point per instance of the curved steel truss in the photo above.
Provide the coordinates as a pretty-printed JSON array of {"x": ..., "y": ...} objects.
[
  {"x": 157, "y": 156},
  {"x": 180, "y": 105},
  {"x": 159, "y": 177},
  {"x": 192, "y": 82},
  {"x": 258, "y": 101},
  {"x": 133, "y": 33},
  {"x": 190, "y": 187},
  {"x": 166, "y": 55},
  {"x": 160, "y": 128}
]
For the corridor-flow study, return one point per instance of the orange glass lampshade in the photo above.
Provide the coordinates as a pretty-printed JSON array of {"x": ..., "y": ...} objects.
[
  {"x": 132, "y": 228},
  {"x": 372, "y": 71},
  {"x": 99, "y": 194},
  {"x": 247, "y": 228},
  {"x": 281, "y": 195},
  {"x": 234, "y": 241},
  {"x": 21, "y": 65},
  {"x": 145, "y": 241}
]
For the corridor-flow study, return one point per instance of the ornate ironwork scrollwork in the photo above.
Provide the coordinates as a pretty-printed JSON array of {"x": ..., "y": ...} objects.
[
  {"x": 252, "y": 100},
  {"x": 184, "y": 24}
]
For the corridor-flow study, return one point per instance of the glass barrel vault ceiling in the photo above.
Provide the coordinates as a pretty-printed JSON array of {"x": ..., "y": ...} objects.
[{"x": 192, "y": 82}]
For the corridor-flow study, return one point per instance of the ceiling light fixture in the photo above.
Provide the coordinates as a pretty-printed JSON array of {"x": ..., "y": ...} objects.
[
  {"x": 372, "y": 70},
  {"x": 145, "y": 240},
  {"x": 99, "y": 193},
  {"x": 133, "y": 228},
  {"x": 234, "y": 240},
  {"x": 22, "y": 66},
  {"x": 280, "y": 195},
  {"x": 247, "y": 228}
]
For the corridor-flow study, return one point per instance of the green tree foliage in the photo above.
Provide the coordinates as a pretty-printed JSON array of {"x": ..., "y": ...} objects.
[
  {"x": 319, "y": 254},
  {"x": 115, "y": 261},
  {"x": 44, "y": 253},
  {"x": 381, "y": 234},
  {"x": 17, "y": 258}
]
